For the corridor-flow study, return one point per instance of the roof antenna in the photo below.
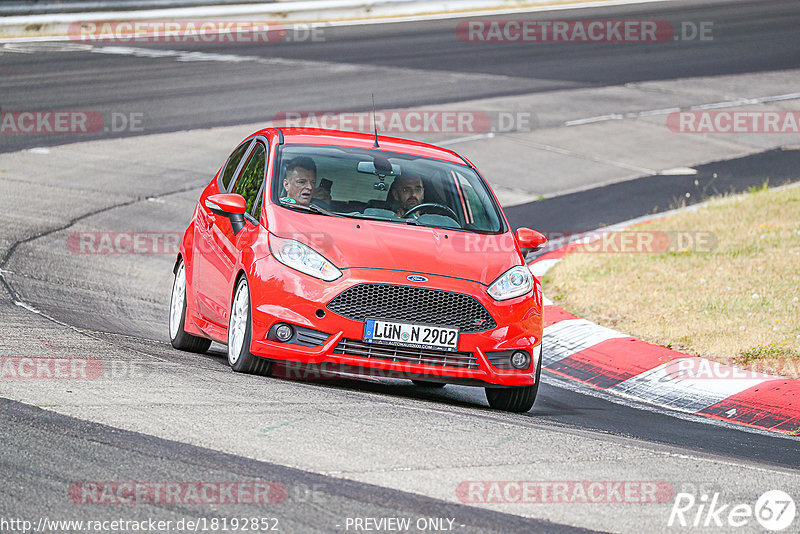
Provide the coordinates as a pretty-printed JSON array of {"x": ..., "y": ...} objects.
[{"x": 374, "y": 123}]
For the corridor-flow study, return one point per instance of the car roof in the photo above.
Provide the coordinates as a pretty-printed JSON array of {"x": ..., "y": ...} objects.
[{"x": 319, "y": 136}]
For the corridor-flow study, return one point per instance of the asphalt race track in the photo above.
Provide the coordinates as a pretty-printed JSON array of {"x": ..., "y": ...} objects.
[
  {"x": 405, "y": 65},
  {"x": 351, "y": 448}
]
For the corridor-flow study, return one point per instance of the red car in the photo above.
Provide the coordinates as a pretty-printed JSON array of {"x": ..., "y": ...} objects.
[{"x": 352, "y": 253}]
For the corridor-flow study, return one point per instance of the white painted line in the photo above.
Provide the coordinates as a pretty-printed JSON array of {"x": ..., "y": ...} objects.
[
  {"x": 28, "y": 307},
  {"x": 678, "y": 171},
  {"x": 666, "y": 111},
  {"x": 283, "y": 9},
  {"x": 663, "y": 111},
  {"x": 778, "y": 98},
  {"x": 466, "y": 139},
  {"x": 463, "y": 13},
  {"x": 565, "y": 338},
  {"x": 589, "y": 120},
  {"x": 726, "y": 104},
  {"x": 178, "y": 12}
]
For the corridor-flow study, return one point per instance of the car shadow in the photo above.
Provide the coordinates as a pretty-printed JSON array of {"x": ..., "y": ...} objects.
[{"x": 451, "y": 395}]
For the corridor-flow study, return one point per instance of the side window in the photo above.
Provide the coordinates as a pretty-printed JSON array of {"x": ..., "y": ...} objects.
[
  {"x": 251, "y": 178},
  {"x": 233, "y": 162}
]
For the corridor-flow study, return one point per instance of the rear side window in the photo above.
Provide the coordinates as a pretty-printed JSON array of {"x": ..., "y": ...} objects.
[
  {"x": 249, "y": 183},
  {"x": 233, "y": 162}
]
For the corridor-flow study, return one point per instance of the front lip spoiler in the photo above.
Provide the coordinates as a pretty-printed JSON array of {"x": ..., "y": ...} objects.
[{"x": 322, "y": 355}]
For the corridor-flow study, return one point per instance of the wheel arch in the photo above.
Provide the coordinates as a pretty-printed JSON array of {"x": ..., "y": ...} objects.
[{"x": 239, "y": 274}]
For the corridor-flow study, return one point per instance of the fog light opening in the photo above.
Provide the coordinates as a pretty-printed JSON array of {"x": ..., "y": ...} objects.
[
  {"x": 284, "y": 332},
  {"x": 520, "y": 360},
  {"x": 320, "y": 313}
]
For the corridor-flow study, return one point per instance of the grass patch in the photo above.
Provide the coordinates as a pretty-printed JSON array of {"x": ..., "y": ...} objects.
[{"x": 725, "y": 287}]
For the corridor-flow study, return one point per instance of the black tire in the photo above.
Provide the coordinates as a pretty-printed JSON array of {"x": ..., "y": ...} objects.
[
  {"x": 518, "y": 399},
  {"x": 426, "y": 384},
  {"x": 244, "y": 361},
  {"x": 179, "y": 338}
]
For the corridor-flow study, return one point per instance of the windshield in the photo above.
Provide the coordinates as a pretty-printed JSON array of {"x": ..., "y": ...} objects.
[{"x": 373, "y": 184}]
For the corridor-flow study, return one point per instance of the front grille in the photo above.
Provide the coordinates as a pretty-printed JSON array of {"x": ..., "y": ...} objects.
[
  {"x": 412, "y": 304},
  {"x": 500, "y": 359},
  {"x": 441, "y": 358},
  {"x": 308, "y": 337}
]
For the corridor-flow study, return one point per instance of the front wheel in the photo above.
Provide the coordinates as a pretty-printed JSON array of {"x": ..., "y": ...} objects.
[
  {"x": 177, "y": 317},
  {"x": 518, "y": 399},
  {"x": 240, "y": 333}
]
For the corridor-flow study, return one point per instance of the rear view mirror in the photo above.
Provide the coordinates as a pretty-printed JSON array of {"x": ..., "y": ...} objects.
[
  {"x": 230, "y": 205},
  {"x": 529, "y": 240},
  {"x": 383, "y": 169}
]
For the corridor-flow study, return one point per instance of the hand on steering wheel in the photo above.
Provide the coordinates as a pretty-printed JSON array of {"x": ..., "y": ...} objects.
[{"x": 432, "y": 207}]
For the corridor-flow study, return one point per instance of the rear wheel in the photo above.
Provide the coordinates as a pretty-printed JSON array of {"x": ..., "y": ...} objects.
[
  {"x": 240, "y": 332},
  {"x": 177, "y": 317},
  {"x": 516, "y": 399}
]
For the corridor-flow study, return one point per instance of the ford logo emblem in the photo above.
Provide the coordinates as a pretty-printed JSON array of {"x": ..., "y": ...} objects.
[{"x": 417, "y": 278}]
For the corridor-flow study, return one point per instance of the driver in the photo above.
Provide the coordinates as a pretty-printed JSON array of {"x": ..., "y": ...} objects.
[
  {"x": 407, "y": 192},
  {"x": 300, "y": 181}
]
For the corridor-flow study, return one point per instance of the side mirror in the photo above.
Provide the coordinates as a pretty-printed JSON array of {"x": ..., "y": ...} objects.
[
  {"x": 529, "y": 240},
  {"x": 230, "y": 205}
]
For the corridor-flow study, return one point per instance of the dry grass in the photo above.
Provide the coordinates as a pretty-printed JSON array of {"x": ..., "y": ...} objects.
[{"x": 737, "y": 302}]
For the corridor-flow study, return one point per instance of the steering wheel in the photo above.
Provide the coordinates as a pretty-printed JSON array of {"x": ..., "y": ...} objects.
[{"x": 432, "y": 207}]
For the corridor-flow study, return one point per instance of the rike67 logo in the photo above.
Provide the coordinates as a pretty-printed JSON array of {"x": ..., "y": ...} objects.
[{"x": 775, "y": 510}]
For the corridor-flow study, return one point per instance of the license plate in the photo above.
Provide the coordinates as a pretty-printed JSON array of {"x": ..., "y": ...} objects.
[{"x": 420, "y": 336}]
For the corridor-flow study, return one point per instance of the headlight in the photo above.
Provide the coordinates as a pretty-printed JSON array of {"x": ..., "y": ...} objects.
[
  {"x": 513, "y": 283},
  {"x": 302, "y": 258}
]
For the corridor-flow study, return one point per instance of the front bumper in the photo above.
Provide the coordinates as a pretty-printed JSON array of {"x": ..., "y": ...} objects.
[{"x": 519, "y": 327}]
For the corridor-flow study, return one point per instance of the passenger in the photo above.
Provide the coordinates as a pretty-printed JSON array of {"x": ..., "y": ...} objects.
[
  {"x": 300, "y": 181},
  {"x": 323, "y": 191}
]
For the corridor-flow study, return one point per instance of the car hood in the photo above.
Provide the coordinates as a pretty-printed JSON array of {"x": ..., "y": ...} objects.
[{"x": 354, "y": 243}]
